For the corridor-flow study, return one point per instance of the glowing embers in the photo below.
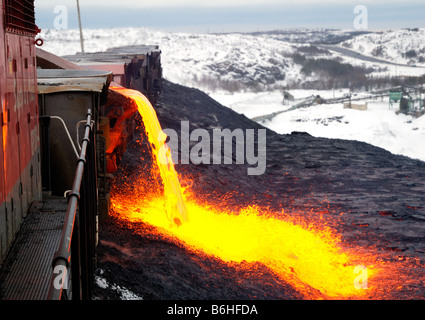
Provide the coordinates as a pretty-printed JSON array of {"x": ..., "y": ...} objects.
[{"x": 304, "y": 257}]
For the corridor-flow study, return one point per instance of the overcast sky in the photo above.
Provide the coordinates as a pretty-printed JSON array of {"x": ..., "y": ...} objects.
[{"x": 233, "y": 15}]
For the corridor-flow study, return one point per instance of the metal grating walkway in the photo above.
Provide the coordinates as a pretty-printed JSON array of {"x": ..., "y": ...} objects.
[{"x": 27, "y": 269}]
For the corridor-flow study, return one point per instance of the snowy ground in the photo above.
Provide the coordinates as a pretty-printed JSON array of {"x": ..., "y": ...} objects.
[
  {"x": 379, "y": 125},
  {"x": 121, "y": 292}
]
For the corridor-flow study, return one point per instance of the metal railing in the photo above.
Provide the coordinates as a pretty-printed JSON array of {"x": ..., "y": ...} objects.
[{"x": 73, "y": 263}]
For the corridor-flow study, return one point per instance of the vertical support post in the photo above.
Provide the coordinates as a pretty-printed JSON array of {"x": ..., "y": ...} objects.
[
  {"x": 76, "y": 261},
  {"x": 80, "y": 25},
  {"x": 45, "y": 153}
]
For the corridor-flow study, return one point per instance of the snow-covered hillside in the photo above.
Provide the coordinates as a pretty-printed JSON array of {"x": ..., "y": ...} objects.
[
  {"x": 232, "y": 62},
  {"x": 406, "y": 46},
  {"x": 247, "y": 73},
  {"x": 206, "y": 61}
]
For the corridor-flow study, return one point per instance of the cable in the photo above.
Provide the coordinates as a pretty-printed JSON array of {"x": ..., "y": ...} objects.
[
  {"x": 77, "y": 127},
  {"x": 67, "y": 132}
]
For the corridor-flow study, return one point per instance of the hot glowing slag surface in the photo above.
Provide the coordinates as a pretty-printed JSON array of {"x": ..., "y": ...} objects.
[{"x": 308, "y": 257}]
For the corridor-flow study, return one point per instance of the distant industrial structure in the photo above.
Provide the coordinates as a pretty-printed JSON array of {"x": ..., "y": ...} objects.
[{"x": 409, "y": 99}]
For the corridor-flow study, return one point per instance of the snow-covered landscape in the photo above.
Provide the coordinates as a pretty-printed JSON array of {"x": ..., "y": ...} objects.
[
  {"x": 379, "y": 125},
  {"x": 249, "y": 72},
  {"x": 404, "y": 46}
]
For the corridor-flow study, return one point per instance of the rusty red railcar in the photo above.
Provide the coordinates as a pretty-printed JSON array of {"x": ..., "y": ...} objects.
[
  {"x": 54, "y": 175},
  {"x": 20, "y": 177}
]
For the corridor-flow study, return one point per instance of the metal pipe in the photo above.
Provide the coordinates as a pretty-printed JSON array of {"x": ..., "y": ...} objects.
[
  {"x": 81, "y": 28},
  {"x": 77, "y": 128}
]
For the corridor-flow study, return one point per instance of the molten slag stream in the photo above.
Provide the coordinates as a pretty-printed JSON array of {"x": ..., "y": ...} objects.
[
  {"x": 176, "y": 210},
  {"x": 306, "y": 257}
]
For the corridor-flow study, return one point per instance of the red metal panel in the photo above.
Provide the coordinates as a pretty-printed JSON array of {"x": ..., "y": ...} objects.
[
  {"x": 13, "y": 105},
  {"x": 3, "y": 115},
  {"x": 20, "y": 17},
  {"x": 19, "y": 106}
]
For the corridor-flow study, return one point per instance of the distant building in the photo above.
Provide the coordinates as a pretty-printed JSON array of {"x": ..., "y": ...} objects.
[{"x": 349, "y": 105}]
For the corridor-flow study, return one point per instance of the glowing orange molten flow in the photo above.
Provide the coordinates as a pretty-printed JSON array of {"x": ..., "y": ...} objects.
[
  {"x": 308, "y": 258},
  {"x": 176, "y": 210}
]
